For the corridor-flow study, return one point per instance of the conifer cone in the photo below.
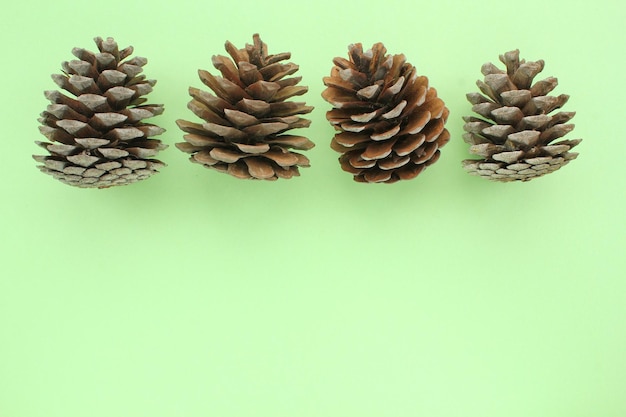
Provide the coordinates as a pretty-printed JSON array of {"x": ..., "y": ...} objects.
[
  {"x": 390, "y": 120},
  {"x": 99, "y": 138},
  {"x": 515, "y": 132},
  {"x": 246, "y": 117}
]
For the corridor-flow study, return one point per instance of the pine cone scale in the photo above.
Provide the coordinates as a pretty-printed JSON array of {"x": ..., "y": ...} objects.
[
  {"x": 408, "y": 144},
  {"x": 387, "y": 132},
  {"x": 292, "y": 141},
  {"x": 83, "y": 159},
  {"x": 378, "y": 150},
  {"x": 259, "y": 168}
]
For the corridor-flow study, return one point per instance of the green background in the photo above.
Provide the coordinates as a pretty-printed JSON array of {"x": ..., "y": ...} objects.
[{"x": 197, "y": 294}]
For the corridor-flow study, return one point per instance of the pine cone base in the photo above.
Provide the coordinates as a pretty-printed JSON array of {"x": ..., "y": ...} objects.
[
  {"x": 523, "y": 170},
  {"x": 102, "y": 175},
  {"x": 256, "y": 167}
]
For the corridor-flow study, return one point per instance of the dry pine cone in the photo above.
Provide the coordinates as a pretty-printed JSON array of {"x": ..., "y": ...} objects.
[
  {"x": 99, "y": 138},
  {"x": 515, "y": 133},
  {"x": 391, "y": 122},
  {"x": 246, "y": 117}
]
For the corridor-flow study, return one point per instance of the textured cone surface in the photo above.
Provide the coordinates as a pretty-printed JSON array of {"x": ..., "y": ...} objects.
[
  {"x": 390, "y": 122},
  {"x": 247, "y": 115},
  {"x": 97, "y": 137},
  {"x": 516, "y": 130}
]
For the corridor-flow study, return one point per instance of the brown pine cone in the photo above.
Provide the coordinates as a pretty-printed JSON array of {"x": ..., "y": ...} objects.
[
  {"x": 99, "y": 138},
  {"x": 515, "y": 132},
  {"x": 390, "y": 120},
  {"x": 247, "y": 116}
]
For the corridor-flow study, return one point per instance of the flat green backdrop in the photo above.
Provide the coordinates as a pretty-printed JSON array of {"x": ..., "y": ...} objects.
[{"x": 196, "y": 294}]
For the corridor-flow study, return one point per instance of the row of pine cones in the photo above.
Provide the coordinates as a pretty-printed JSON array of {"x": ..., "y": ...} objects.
[{"x": 389, "y": 120}]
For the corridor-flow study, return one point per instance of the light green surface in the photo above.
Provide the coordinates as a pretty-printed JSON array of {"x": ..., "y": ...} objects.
[{"x": 196, "y": 294}]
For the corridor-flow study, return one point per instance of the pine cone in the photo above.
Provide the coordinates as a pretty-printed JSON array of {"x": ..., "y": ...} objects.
[
  {"x": 246, "y": 117},
  {"x": 391, "y": 122},
  {"x": 99, "y": 139},
  {"x": 515, "y": 132}
]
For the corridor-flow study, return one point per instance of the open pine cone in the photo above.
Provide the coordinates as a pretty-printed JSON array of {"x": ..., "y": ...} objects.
[
  {"x": 99, "y": 138},
  {"x": 515, "y": 132},
  {"x": 246, "y": 118},
  {"x": 390, "y": 120}
]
